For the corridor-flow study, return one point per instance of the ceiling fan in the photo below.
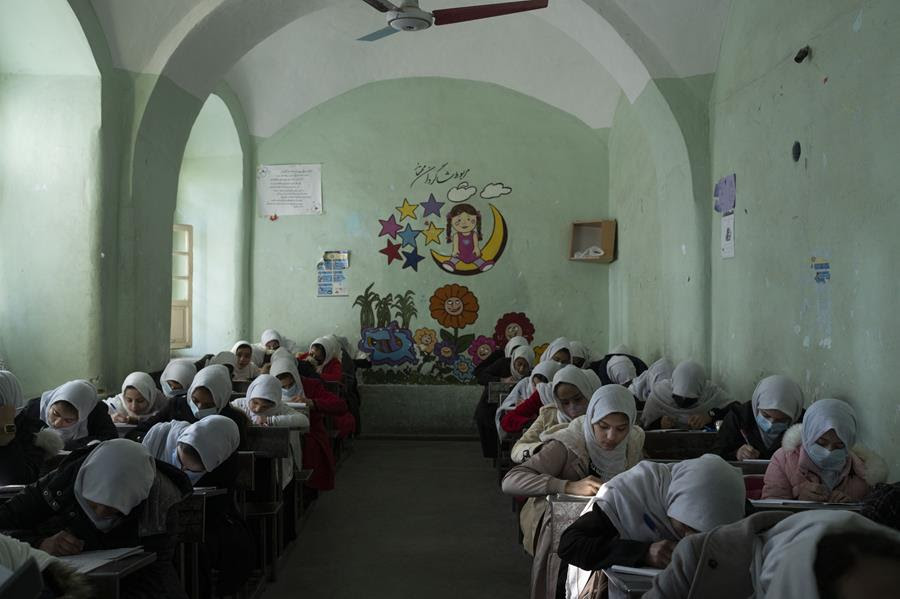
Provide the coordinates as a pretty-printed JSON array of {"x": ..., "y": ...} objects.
[{"x": 409, "y": 17}]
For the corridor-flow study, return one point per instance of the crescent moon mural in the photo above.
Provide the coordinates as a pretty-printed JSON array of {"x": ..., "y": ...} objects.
[{"x": 490, "y": 251}]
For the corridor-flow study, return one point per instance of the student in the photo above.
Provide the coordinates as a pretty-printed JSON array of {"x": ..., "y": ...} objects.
[
  {"x": 498, "y": 353},
  {"x": 263, "y": 405},
  {"x": 754, "y": 430},
  {"x": 620, "y": 370},
  {"x": 638, "y": 517},
  {"x": 526, "y": 386},
  {"x": 59, "y": 579},
  {"x": 816, "y": 554},
  {"x": 325, "y": 356},
  {"x": 108, "y": 496},
  {"x": 642, "y": 385},
  {"x": 688, "y": 400},
  {"x": 317, "y": 452},
  {"x": 177, "y": 377},
  {"x": 580, "y": 354},
  {"x": 246, "y": 368},
  {"x": 548, "y": 419},
  {"x": 601, "y": 367},
  {"x": 559, "y": 351},
  {"x": 209, "y": 393},
  {"x": 819, "y": 460},
  {"x": 272, "y": 340},
  {"x": 139, "y": 399},
  {"x": 226, "y": 359},
  {"x": 577, "y": 460},
  {"x": 72, "y": 411},
  {"x": 23, "y": 446},
  {"x": 499, "y": 369},
  {"x": 199, "y": 450},
  {"x": 571, "y": 391}
]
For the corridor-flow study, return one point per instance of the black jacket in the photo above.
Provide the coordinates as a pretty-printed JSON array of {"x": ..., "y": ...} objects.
[
  {"x": 741, "y": 418},
  {"x": 177, "y": 409},
  {"x": 49, "y": 505},
  {"x": 593, "y": 542},
  {"x": 99, "y": 425},
  {"x": 599, "y": 366},
  {"x": 21, "y": 459}
]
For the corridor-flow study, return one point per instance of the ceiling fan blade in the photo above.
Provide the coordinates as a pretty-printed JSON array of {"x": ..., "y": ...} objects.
[
  {"x": 446, "y": 16},
  {"x": 377, "y": 35},
  {"x": 380, "y": 5}
]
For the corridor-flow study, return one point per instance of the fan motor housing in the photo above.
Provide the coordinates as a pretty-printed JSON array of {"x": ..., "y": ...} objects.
[{"x": 409, "y": 19}]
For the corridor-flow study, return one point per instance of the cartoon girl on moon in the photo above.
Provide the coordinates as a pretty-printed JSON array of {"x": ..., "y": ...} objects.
[{"x": 464, "y": 231}]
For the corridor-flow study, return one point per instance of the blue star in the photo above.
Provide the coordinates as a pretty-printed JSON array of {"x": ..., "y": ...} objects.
[
  {"x": 432, "y": 206},
  {"x": 412, "y": 259},
  {"x": 408, "y": 235}
]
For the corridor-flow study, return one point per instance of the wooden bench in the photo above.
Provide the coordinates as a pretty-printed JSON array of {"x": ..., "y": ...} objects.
[
  {"x": 678, "y": 445},
  {"x": 191, "y": 534},
  {"x": 107, "y": 579}
]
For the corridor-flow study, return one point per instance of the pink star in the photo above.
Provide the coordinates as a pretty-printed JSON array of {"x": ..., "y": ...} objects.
[{"x": 389, "y": 227}]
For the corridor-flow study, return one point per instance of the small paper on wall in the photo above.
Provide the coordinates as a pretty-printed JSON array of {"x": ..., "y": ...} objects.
[
  {"x": 289, "y": 189},
  {"x": 728, "y": 236},
  {"x": 331, "y": 273},
  {"x": 726, "y": 194}
]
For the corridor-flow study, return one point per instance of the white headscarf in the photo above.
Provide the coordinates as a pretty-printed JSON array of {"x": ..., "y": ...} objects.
[
  {"x": 215, "y": 438},
  {"x": 642, "y": 386},
  {"x": 79, "y": 393},
  {"x": 579, "y": 350},
  {"x": 287, "y": 365},
  {"x": 512, "y": 344},
  {"x": 582, "y": 379},
  {"x": 688, "y": 380},
  {"x": 11, "y": 391},
  {"x": 777, "y": 392},
  {"x": 526, "y": 353},
  {"x": 785, "y": 555},
  {"x": 546, "y": 369},
  {"x": 225, "y": 358},
  {"x": 143, "y": 382},
  {"x": 620, "y": 369},
  {"x": 216, "y": 380},
  {"x": 331, "y": 348},
  {"x": 180, "y": 370},
  {"x": 240, "y": 344},
  {"x": 555, "y": 345},
  {"x": 609, "y": 399},
  {"x": 265, "y": 386},
  {"x": 822, "y": 416},
  {"x": 119, "y": 474},
  {"x": 271, "y": 335}
]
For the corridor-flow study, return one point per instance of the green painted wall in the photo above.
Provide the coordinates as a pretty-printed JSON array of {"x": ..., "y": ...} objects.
[
  {"x": 370, "y": 140},
  {"x": 841, "y": 338}
]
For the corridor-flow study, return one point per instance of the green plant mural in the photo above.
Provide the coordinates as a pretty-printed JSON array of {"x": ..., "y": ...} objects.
[
  {"x": 406, "y": 308},
  {"x": 366, "y": 303}
]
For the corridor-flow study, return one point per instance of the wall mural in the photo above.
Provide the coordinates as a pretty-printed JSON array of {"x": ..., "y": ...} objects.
[{"x": 435, "y": 353}]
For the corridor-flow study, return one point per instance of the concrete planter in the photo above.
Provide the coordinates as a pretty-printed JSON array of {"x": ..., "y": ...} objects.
[{"x": 419, "y": 410}]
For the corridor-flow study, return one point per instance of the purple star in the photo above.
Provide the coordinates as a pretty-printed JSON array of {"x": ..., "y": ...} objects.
[
  {"x": 432, "y": 206},
  {"x": 389, "y": 227}
]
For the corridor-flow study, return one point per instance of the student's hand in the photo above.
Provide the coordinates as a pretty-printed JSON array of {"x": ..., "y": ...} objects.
[
  {"x": 666, "y": 422},
  {"x": 812, "y": 491},
  {"x": 698, "y": 421},
  {"x": 839, "y": 497},
  {"x": 62, "y": 543},
  {"x": 585, "y": 487},
  {"x": 309, "y": 401},
  {"x": 660, "y": 554},
  {"x": 120, "y": 418},
  {"x": 747, "y": 452}
]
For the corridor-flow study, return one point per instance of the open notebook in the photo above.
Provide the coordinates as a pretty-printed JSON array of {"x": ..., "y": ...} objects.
[
  {"x": 91, "y": 560},
  {"x": 651, "y": 572}
]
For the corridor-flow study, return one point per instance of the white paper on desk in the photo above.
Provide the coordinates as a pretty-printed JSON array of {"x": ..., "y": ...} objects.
[
  {"x": 297, "y": 405},
  {"x": 636, "y": 571},
  {"x": 756, "y": 461},
  {"x": 802, "y": 502},
  {"x": 91, "y": 560}
]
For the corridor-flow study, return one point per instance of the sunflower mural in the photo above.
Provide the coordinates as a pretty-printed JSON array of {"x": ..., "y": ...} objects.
[
  {"x": 454, "y": 307},
  {"x": 513, "y": 324}
]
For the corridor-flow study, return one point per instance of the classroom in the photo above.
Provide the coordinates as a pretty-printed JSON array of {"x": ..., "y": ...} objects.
[{"x": 547, "y": 299}]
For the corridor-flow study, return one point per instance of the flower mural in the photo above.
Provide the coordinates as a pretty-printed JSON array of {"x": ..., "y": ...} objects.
[
  {"x": 513, "y": 324},
  {"x": 454, "y": 306},
  {"x": 539, "y": 351},
  {"x": 463, "y": 369},
  {"x": 445, "y": 352},
  {"x": 481, "y": 348},
  {"x": 425, "y": 340}
]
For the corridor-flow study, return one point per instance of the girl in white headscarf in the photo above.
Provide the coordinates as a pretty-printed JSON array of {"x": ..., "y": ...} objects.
[
  {"x": 226, "y": 359},
  {"x": 688, "y": 400},
  {"x": 570, "y": 391},
  {"x": 637, "y": 518},
  {"x": 577, "y": 460},
  {"x": 246, "y": 368},
  {"x": 325, "y": 355},
  {"x": 272, "y": 340},
  {"x": 642, "y": 385},
  {"x": 263, "y": 405},
  {"x": 815, "y": 554},
  {"x": 526, "y": 388},
  {"x": 177, "y": 377},
  {"x": 285, "y": 370},
  {"x": 621, "y": 370},
  {"x": 580, "y": 354},
  {"x": 196, "y": 449},
  {"x": 558, "y": 350},
  {"x": 139, "y": 399},
  {"x": 819, "y": 459},
  {"x": 753, "y": 430},
  {"x": 23, "y": 446},
  {"x": 73, "y": 412}
]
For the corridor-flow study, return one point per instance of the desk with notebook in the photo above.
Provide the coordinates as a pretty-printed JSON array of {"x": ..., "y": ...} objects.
[
  {"x": 626, "y": 582},
  {"x": 795, "y": 505}
]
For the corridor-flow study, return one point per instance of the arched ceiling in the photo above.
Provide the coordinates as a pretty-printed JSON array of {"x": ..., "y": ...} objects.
[
  {"x": 43, "y": 37},
  {"x": 284, "y": 57}
]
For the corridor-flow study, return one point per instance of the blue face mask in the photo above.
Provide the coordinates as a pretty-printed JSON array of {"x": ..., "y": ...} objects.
[
  {"x": 200, "y": 414},
  {"x": 770, "y": 428},
  {"x": 290, "y": 392},
  {"x": 827, "y": 459},
  {"x": 192, "y": 476},
  {"x": 169, "y": 392}
]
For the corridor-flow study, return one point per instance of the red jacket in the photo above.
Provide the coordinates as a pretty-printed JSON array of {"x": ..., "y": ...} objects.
[
  {"x": 331, "y": 372},
  {"x": 317, "y": 453},
  {"x": 524, "y": 414}
]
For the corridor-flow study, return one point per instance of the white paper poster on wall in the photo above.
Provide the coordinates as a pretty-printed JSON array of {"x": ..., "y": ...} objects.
[
  {"x": 331, "y": 275},
  {"x": 289, "y": 189},
  {"x": 728, "y": 236}
]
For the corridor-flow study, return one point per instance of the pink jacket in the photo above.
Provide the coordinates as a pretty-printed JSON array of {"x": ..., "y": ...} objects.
[{"x": 790, "y": 467}]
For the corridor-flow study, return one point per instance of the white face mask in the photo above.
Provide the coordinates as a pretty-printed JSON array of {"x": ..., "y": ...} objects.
[
  {"x": 199, "y": 413},
  {"x": 169, "y": 392},
  {"x": 192, "y": 476}
]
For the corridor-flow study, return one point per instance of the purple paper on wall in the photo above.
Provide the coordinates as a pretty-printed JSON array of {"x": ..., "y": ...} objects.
[{"x": 726, "y": 194}]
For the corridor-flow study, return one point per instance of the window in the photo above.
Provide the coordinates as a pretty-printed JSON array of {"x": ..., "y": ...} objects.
[{"x": 182, "y": 285}]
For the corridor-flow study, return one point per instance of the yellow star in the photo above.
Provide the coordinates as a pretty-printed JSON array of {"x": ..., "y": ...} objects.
[
  {"x": 432, "y": 233},
  {"x": 407, "y": 210}
]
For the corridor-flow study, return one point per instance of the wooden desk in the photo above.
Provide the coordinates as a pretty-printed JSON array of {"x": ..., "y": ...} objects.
[
  {"x": 801, "y": 506},
  {"x": 678, "y": 445},
  {"x": 191, "y": 534},
  {"x": 270, "y": 440},
  {"x": 627, "y": 586},
  {"x": 498, "y": 391},
  {"x": 107, "y": 579},
  {"x": 123, "y": 429},
  {"x": 754, "y": 468}
]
